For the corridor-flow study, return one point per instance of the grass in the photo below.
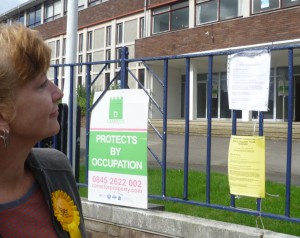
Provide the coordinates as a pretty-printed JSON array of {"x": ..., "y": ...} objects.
[{"x": 273, "y": 203}]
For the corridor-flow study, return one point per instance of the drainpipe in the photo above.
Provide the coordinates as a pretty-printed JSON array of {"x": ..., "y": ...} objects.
[
  {"x": 145, "y": 13},
  {"x": 70, "y": 82}
]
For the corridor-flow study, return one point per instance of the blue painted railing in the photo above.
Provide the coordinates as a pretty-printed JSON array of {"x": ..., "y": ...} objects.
[{"x": 123, "y": 74}]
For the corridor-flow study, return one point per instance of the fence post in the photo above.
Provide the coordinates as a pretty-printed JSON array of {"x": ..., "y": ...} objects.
[
  {"x": 290, "y": 132},
  {"x": 187, "y": 127},
  {"x": 124, "y": 66}
]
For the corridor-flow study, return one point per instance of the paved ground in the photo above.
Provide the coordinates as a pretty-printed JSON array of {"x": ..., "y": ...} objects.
[{"x": 276, "y": 154}]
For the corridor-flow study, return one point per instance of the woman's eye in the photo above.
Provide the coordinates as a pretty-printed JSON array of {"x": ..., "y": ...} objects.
[{"x": 44, "y": 84}]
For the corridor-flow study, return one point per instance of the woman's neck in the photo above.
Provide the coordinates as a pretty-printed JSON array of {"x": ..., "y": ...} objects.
[{"x": 15, "y": 177}]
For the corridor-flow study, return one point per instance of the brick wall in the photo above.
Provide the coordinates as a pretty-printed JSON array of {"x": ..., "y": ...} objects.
[
  {"x": 106, "y": 11},
  {"x": 272, "y": 26},
  {"x": 275, "y": 26}
]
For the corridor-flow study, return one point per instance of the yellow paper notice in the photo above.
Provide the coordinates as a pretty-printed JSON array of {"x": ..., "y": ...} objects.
[{"x": 246, "y": 166}]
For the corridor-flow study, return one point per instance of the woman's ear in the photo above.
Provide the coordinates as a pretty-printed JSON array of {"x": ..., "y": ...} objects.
[{"x": 4, "y": 121}]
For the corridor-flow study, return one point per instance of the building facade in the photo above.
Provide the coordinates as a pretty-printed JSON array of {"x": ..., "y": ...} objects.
[{"x": 152, "y": 28}]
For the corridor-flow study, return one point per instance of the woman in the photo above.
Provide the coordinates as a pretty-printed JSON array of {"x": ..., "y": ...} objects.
[{"x": 38, "y": 193}]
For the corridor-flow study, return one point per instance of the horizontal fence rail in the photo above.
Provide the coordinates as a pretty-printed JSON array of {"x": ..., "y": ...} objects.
[{"x": 162, "y": 136}]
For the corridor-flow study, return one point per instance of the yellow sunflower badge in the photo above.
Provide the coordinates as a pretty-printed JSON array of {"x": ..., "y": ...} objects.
[{"x": 66, "y": 213}]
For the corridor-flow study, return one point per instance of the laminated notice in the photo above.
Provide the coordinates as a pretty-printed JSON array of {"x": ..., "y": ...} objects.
[{"x": 246, "y": 166}]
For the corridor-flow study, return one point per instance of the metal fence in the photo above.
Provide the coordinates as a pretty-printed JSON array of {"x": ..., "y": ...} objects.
[{"x": 161, "y": 159}]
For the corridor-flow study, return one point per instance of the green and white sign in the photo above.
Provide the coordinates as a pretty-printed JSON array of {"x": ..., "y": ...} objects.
[{"x": 118, "y": 149}]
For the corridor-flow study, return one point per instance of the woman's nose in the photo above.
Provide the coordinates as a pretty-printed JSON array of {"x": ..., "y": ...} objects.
[{"x": 57, "y": 93}]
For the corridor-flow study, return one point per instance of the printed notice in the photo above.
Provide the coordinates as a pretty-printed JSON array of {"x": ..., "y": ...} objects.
[
  {"x": 248, "y": 78},
  {"x": 246, "y": 166},
  {"x": 118, "y": 149}
]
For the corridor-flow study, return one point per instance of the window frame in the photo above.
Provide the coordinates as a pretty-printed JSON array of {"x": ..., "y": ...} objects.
[
  {"x": 108, "y": 36},
  {"x": 119, "y": 33},
  {"x": 57, "y": 48},
  {"x": 37, "y": 18},
  {"x": 141, "y": 77},
  {"x": 20, "y": 18},
  {"x": 64, "y": 46},
  {"x": 94, "y": 2},
  {"x": 80, "y": 6},
  {"x": 89, "y": 57},
  {"x": 281, "y": 5},
  {"x": 80, "y": 60},
  {"x": 168, "y": 11},
  {"x": 80, "y": 42},
  {"x": 266, "y": 8},
  {"x": 118, "y": 56},
  {"x": 219, "y": 11},
  {"x": 142, "y": 27},
  {"x": 107, "y": 79},
  {"x": 108, "y": 57},
  {"x": 89, "y": 43},
  {"x": 53, "y": 16}
]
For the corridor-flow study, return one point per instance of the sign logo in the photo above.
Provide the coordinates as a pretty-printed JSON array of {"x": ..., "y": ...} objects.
[{"x": 116, "y": 108}]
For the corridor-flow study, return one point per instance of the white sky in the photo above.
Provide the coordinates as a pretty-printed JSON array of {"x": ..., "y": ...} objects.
[{"x": 9, "y": 4}]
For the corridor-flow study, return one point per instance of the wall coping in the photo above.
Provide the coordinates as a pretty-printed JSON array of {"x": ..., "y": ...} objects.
[{"x": 170, "y": 224}]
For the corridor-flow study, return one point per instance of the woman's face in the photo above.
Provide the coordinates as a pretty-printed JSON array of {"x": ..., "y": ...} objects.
[{"x": 36, "y": 110}]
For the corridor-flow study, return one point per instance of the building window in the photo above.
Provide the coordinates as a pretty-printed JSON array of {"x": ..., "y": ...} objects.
[
  {"x": 107, "y": 79},
  {"x": 264, "y": 5},
  {"x": 171, "y": 18},
  {"x": 108, "y": 36},
  {"x": 89, "y": 57},
  {"x": 63, "y": 68},
  {"x": 34, "y": 16},
  {"x": 81, "y": 4},
  {"x": 217, "y": 10},
  {"x": 64, "y": 47},
  {"x": 19, "y": 18},
  {"x": 80, "y": 42},
  {"x": 79, "y": 82},
  {"x": 290, "y": 3},
  {"x": 52, "y": 10},
  {"x": 90, "y": 40},
  {"x": 108, "y": 57},
  {"x": 268, "y": 5},
  {"x": 229, "y": 9},
  {"x": 117, "y": 82},
  {"x": 119, "y": 35},
  {"x": 142, "y": 27},
  {"x": 94, "y": 2},
  {"x": 65, "y": 7},
  {"x": 79, "y": 66},
  {"x": 57, "y": 48},
  {"x": 119, "y": 56},
  {"x": 207, "y": 11},
  {"x": 141, "y": 78}
]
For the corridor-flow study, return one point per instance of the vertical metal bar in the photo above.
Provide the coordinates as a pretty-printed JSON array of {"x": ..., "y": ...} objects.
[
  {"x": 261, "y": 133},
  {"x": 233, "y": 132},
  {"x": 71, "y": 115},
  {"x": 261, "y": 124},
  {"x": 56, "y": 83},
  {"x": 208, "y": 142},
  {"x": 87, "y": 119},
  {"x": 290, "y": 132},
  {"x": 187, "y": 128},
  {"x": 165, "y": 118},
  {"x": 124, "y": 65}
]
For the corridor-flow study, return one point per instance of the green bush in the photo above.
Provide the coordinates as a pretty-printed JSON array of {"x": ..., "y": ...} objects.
[{"x": 82, "y": 97}]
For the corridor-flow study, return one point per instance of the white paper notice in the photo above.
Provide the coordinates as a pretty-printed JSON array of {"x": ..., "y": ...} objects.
[{"x": 248, "y": 78}]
